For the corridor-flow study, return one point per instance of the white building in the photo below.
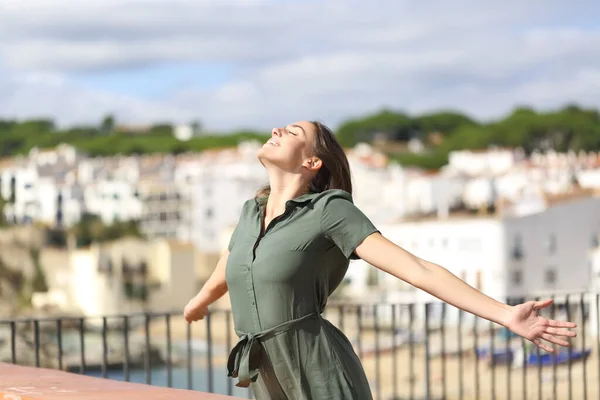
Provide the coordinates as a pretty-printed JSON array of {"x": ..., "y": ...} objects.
[
  {"x": 38, "y": 187},
  {"x": 113, "y": 200},
  {"x": 486, "y": 162},
  {"x": 166, "y": 210},
  {"x": 131, "y": 275},
  {"x": 594, "y": 262},
  {"x": 59, "y": 205},
  {"x": 433, "y": 193},
  {"x": 217, "y": 198},
  {"x": 218, "y": 183},
  {"x": 589, "y": 178},
  {"x": 542, "y": 253},
  {"x": 377, "y": 186},
  {"x": 387, "y": 191}
]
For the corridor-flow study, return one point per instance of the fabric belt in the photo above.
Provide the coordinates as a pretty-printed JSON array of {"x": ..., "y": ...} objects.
[{"x": 243, "y": 362}]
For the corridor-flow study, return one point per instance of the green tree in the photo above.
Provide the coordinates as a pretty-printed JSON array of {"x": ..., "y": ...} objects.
[
  {"x": 445, "y": 122},
  {"x": 571, "y": 127},
  {"x": 162, "y": 130},
  {"x": 397, "y": 126},
  {"x": 91, "y": 229},
  {"x": 196, "y": 126},
  {"x": 107, "y": 125}
]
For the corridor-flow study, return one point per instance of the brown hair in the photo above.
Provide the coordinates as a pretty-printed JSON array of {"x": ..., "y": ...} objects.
[{"x": 335, "y": 169}]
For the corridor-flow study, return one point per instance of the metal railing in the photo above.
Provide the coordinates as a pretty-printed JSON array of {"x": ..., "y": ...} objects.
[{"x": 408, "y": 350}]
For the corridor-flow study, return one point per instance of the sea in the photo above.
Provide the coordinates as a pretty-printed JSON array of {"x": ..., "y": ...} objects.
[{"x": 222, "y": 384}]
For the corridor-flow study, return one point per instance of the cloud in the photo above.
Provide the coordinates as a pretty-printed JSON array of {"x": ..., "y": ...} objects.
[{"x": 300, "y": 59}]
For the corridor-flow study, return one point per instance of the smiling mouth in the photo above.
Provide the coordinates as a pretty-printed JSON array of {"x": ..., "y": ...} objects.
[{"x": 273, "y": 143}]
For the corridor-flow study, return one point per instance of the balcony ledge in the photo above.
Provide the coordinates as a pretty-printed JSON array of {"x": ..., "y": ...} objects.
[{"x": 27, "y": 383}]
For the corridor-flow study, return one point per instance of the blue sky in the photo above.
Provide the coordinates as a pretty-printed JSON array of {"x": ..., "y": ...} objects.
[
  {"x": 258, "y": 64},
  {"x": 158, "y": 80}
]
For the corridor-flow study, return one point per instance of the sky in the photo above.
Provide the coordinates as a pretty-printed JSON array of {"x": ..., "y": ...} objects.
[{"x": 242, "y": 64}]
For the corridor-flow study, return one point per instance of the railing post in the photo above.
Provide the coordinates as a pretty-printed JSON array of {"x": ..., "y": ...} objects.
[
  {"x": 209, "y": 375},
  {"x": 377, "y": 360},
  {"x": 104, "y": 348},
  {"x": 82, "y": 345},
  {"x": 169, "y": 351},
  {"x": 427, "y": 354},
  {"x": 189, "y": 356},
  {"x": 59, "y": 343},
  {"x": 36, "y": 341},
  {"x": 126, "y": 348},
  {"x": 583, "y": 334},
  {"x": 13, "y": 342}
]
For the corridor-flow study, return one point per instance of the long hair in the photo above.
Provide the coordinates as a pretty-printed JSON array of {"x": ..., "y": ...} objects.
[{"x": 335, "y": 169}]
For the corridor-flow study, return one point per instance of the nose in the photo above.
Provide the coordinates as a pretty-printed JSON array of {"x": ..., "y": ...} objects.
[{"x": 276, "y": 132}]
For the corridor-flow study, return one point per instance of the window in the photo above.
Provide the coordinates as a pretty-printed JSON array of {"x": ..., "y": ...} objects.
[
  {"x": 550, "y": 276},
  {"x": 163, "y": 216},
  {"x": 517, "y": 248},
  {"x": 595, "y": 240},
  {"x": 551, "y": 244},
  {"x": 516, "y": 277},
  {"x": 209, "y": 213}
]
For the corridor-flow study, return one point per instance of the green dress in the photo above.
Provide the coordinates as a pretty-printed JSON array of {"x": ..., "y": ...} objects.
[{"x": 279, "y": 283}]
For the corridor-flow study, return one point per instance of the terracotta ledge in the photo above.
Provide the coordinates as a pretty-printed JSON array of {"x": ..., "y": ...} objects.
[{"x": 26, "y": 383}]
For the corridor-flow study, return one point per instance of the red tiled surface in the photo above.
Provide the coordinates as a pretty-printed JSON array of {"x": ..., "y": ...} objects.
[{"x": 25, "y": 383}]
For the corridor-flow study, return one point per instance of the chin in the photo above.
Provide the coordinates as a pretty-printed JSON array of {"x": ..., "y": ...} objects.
[
  {"x": 263, "y": 156},
  {"x": 267, "y": 160}
]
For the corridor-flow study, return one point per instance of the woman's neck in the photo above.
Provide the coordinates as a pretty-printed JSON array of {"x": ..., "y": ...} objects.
[{"x": 283, "y": 189}]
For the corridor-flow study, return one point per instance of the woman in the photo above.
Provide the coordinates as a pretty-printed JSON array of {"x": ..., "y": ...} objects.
[{"x": 289, "y": 252}]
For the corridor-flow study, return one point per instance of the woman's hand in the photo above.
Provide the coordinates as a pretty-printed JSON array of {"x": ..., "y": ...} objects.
[
  {"x": 524, "y": 321},
  {"x": 195, "y": 310},
  {"x": 214, "y": 288}
]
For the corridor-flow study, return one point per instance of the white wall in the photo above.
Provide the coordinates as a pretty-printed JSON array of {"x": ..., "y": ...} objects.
[
  {"x": 469, "y": 248},
  {"x": 572, "y": 225},
  {"x": 589, "y": 179},
  {"x": 113, "y": 200},
  {"x": 92, "y": 292},
  {"x": 218, "y": 196},
  {"x": 483, "y": 162},
  {"x": 174, "y": 266},
  {"x": 480, "y": 251}
]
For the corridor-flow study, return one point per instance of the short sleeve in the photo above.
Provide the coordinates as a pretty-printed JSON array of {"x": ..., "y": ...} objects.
[
  {"x": 232, "y": 239},
  {"x": 344, "y": 223}
]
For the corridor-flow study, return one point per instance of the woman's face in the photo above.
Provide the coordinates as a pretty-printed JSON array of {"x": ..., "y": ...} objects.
[{"x": 290, "y": 148}]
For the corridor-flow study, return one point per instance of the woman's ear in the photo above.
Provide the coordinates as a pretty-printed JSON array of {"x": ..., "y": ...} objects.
[{"x": 313, "y": 163}]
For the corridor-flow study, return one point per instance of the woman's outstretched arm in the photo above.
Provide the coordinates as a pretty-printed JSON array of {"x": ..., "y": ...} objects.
[
  {"x": 214, "y": 288},
  {"x": 439, "y": 282}
]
